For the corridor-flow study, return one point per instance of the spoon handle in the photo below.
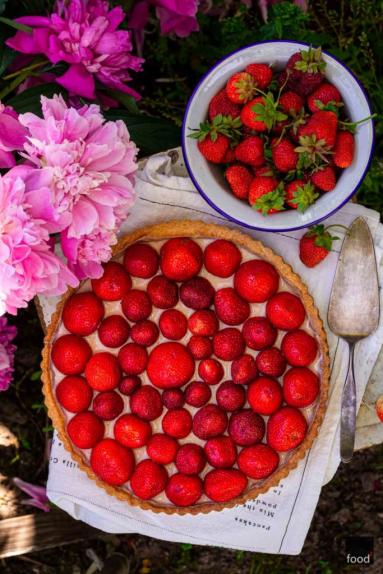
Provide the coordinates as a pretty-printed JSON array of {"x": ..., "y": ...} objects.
[{"x": 348, "y": 410}]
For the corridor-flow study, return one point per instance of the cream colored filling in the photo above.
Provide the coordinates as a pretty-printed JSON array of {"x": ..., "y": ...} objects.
[{"x": 114, "y": 308}]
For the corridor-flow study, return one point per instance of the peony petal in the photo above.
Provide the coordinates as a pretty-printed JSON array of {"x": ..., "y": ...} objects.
[{"x": 78, "y": 81}]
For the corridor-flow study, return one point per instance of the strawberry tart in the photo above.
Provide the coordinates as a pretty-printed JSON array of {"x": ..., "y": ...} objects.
[{"x": 192, "y": 375}]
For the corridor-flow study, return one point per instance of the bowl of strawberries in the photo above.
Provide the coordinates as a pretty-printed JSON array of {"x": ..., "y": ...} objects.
[{"x": 278, "y": 135}]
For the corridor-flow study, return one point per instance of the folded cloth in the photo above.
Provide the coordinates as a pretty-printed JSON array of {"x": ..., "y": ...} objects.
[{"x": 275, "y": 522}]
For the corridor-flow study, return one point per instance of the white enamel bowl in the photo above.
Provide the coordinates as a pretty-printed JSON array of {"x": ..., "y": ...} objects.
[{"x": 208, "y": 178}]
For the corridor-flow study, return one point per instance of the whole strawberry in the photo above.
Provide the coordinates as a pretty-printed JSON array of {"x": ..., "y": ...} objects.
[
  {"x": 323, "y": 125},
  {"x": 285, "y": 157},
  {"x": 214, "y": 149},
  {"x": 266, "y": 195},
  {"x": 240, "y": 88},
  {"x": 221, "y": 104},
  {"x": 300, "y": 194},
  {"x": 252, "y": 114},
  {"x": 326, "y": 96},
  {"x": 250, "y": 150},
  {"x": 305, "y": 71},
  {"x": 344, "y": 149},
  {"x": 239, "y": 178},
  {"x": 214, "y": 137},
  {"x": 324, "y": 178},
  {"x": 291, "y": 103},
  {"x": 262, "y": 74},
  {"x": 315, "y": 245}
]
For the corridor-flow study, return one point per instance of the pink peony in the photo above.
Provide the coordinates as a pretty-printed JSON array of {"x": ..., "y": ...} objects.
[
  {"x": 12, "y": 136},
  {"x": 83, "y": 186},
  {"x": 7, "y": 351},
  {"x": 38, "y": 494},
  {"x": 84, "y": 34},
  {"x": 175, "y": 16},
  {"x": 27, "y": 264}
]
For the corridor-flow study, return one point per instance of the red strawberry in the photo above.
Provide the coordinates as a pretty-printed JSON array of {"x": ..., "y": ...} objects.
[
  {"x": 230, "y": 396},
  {"x": 285, "y": 157},
  {"x": 322, "y": 125},
  {"x": 222, "y": 485},
  {"x": 299, "y": 348},
  {"x": 148, "y": 479},
  {"x": 85, "y": 430},
  {"x": 190, "y": 459},
  {"x": 113, "y": 331},
  {"x": 221, "y": 452},
  {"x": 173, "y": 398},
  {"x": 240, "y": 87},
  {"x": 264, "y": 170},
  {"x": 184, "y": 490},
  {"x": 162, "y": 448},
  {"x": 141, "y": 260},
  {"x": 256, "y": 280},
  {"x": 222, "y": 258},
  {"x": 305, "y": 71},
  {"x": 300, "y": 194},
  {"x": 108, "y": 405},
  {"x": 246, "y": 427},
  {"x": 162, "y": 292},
  {"x": 177, "y": 423},
  {"x": 173, "y": 324},
  {"x": 250, "y": 150},
  {"x": 70, "y": 354},
  {"x": 344, "y": 149},
  {"x": 259, "y": 333},
  {"x": 203, "y": 323},
  {"x": 258, "y": 461},
  {"x": 113, "y": 284},
  {"x": 200, "y": 347},
  {"x": 82, "y": 313},
  {"x": 209, "y": 421},
  {"x": 325, "y": 94},
  {"x": 133, "y": 358},
  {"x": 315, "y": 245},
  {"x": 220, "y": 104},
  {"x": 300, "y": 387},
  {"x": 145, "y": 333},
  {"x": 230, "y": 307},
  {"x": 214, "y": 148},
  {"x": 266, "y": 195},
  {"x": 379, "y": 407},
  {"x": 271, "y": 362},
  {"x": 197, "y": 293},
  {"x": 74, "y": 394},
  {"x": 146, "y": 403},
  {"x": 112, "y": 462},
  {"x": 324, "y": 178},
  {"x": 264, "y": 395},
  {"x": 251, "y": 115},
  {"x": 129, "y": 384},
  {"x": 229, "y": 156},
  {"x": 197, "y": 394},
  {"x": 181, "y": 258},
  {"x": 211, "y": 371},
  {"x": 285, "y": 311},
  {"x": 131, "y": 431},
  {"x": 136, "y": 305},
  {"x": 262, "y": 74},
  {"x": 243, "y": 370},
  {"x": 239, "y": 178},
  {"x": 286, "y": 429},
  {"x": 170, "y": 366},
  {"x": 103, "y": 372},
  {"x": 291, "y": 103},
  {"x": 228, "y": 344}
]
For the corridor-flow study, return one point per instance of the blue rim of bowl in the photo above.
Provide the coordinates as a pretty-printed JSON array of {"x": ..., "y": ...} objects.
[{"x": 230, "y": 217}]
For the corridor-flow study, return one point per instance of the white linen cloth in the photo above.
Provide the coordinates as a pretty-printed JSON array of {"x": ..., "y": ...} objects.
[{"x": 275, "y": 522}]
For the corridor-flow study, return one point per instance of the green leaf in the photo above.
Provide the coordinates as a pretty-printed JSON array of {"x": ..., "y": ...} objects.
[
  {"x": 36, "y": 376},
  {"x": 127, "y": 101},
  {"x": 16, "y": 25},
  {"x": 29, "y": 100},
  {"x": 2, "y": 5},
  {"x": 150, "y": 134},
  {"x": 7, "y": 57}
]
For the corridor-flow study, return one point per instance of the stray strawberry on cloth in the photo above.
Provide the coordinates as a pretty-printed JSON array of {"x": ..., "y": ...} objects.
[{"x": 277, "y": 521}]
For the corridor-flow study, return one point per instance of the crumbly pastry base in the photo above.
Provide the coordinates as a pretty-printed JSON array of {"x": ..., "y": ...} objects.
[{"x": 196, "y": 229}]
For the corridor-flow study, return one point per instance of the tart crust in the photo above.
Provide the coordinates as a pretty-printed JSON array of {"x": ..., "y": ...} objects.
[{"x": 196, "y": 229}]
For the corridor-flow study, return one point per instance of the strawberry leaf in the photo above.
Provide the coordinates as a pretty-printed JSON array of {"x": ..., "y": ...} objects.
[
  {"x": 274, "y": 200},
  {"x": 304, "y": 196}
]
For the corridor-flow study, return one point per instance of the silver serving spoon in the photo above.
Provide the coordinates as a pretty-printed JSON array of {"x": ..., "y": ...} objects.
[{"x": 353, "y": 314}]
